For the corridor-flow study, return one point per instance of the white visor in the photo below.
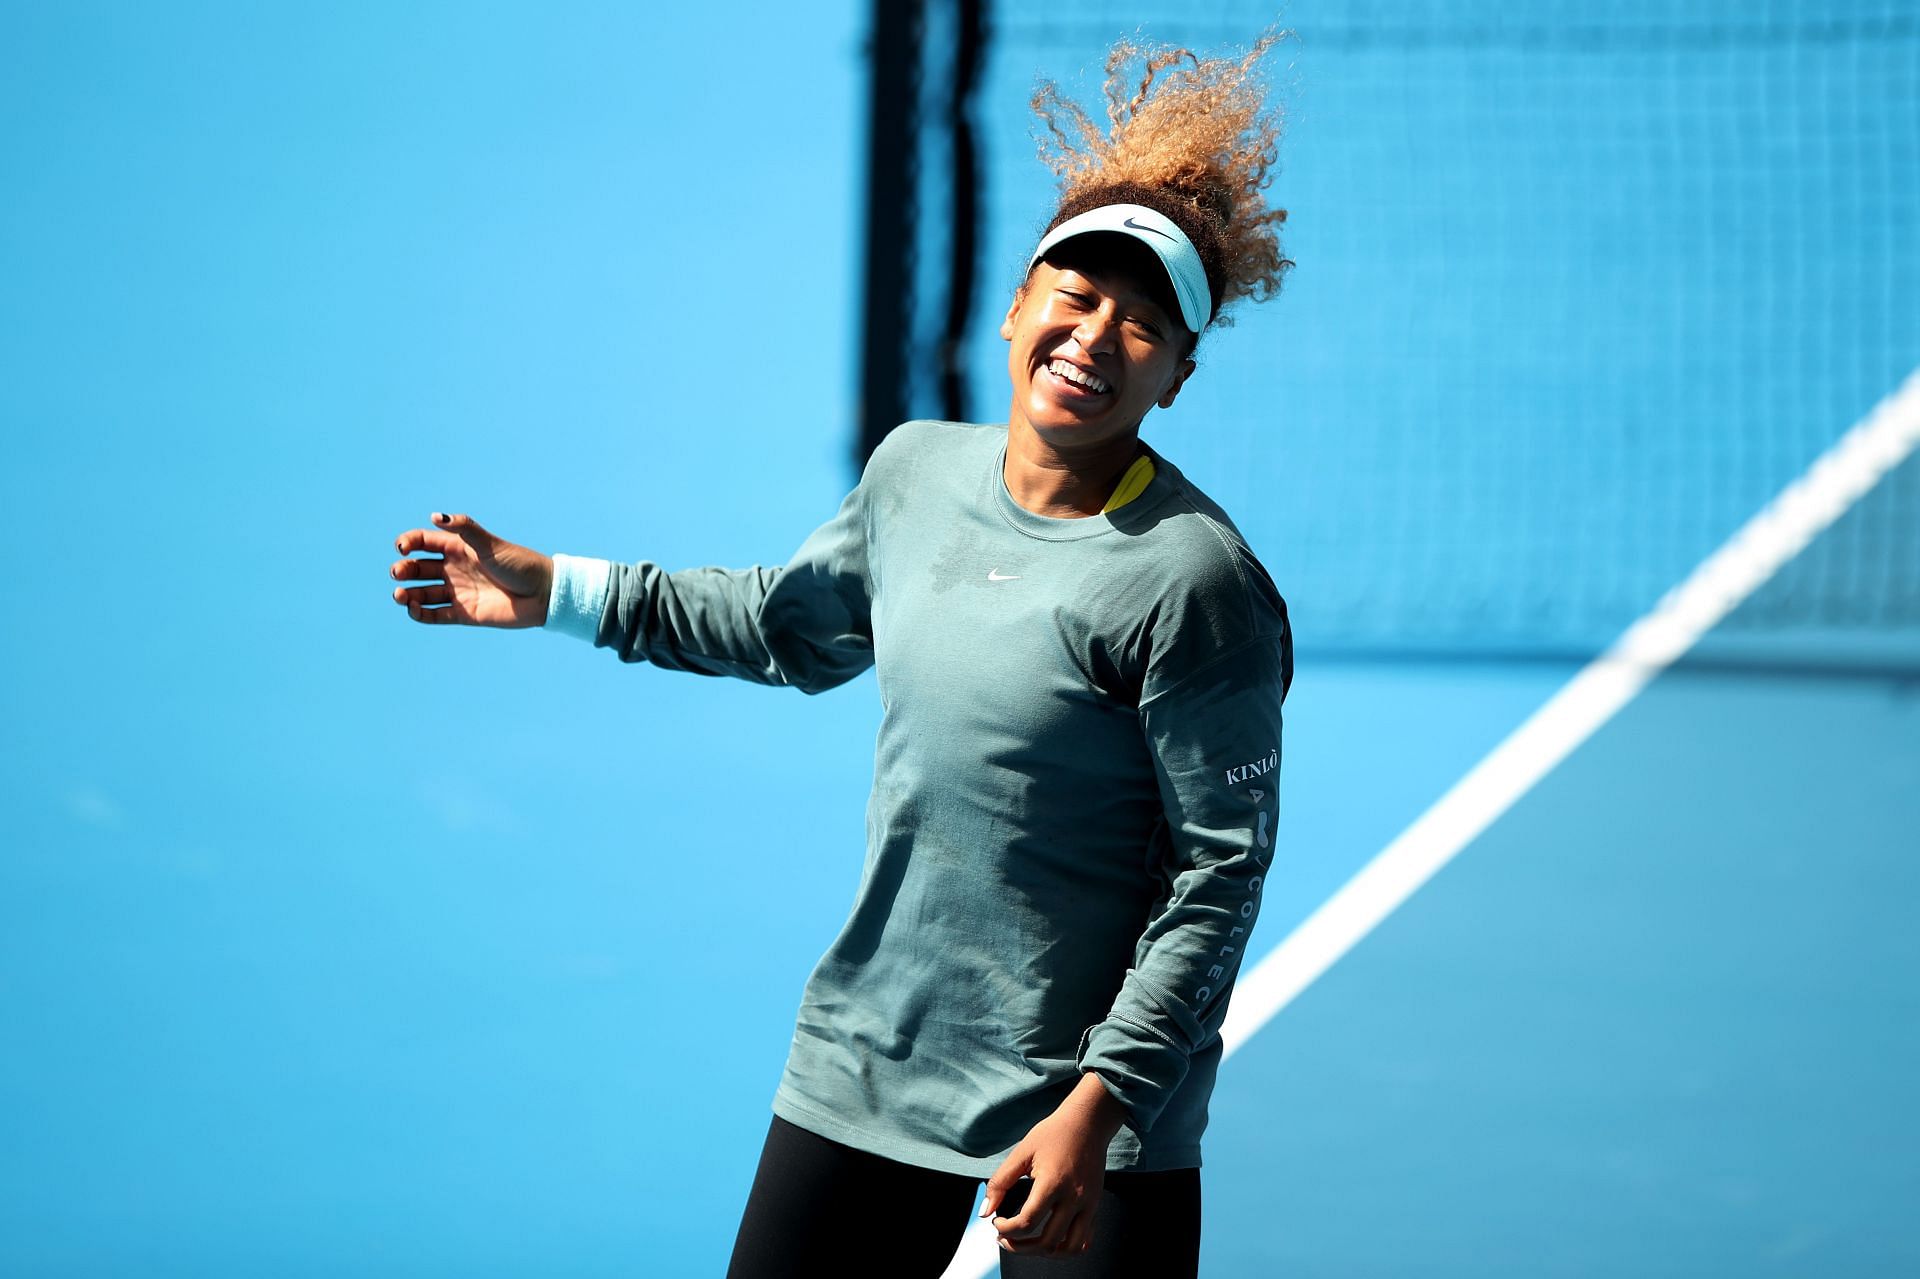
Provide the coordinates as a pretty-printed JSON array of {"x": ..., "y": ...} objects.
[{"x": 1168, "y": 242}]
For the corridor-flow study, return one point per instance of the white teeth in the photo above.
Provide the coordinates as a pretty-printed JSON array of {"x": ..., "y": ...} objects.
[{"x": 1089, "y": 380}]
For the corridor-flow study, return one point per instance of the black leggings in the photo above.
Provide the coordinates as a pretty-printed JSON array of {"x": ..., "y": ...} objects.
[{"x": 818, "y": 1208}]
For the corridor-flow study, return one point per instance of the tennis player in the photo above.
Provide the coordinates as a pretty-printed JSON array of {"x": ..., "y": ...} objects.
[{"x": 1075, "y": 795}]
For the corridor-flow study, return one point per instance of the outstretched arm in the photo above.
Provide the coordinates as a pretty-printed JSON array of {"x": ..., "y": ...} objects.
[{"x": 806, "y": 623}]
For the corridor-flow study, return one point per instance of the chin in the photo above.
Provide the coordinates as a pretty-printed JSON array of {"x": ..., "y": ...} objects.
[
  {"x": 1046, "y": 413},
  {"x": 1066, "y": 426}
]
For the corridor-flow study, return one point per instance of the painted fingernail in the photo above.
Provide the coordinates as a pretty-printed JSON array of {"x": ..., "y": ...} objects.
[{"x": 439, "y": 517}]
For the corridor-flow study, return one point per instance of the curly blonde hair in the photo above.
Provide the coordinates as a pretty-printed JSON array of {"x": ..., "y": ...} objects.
[{"x": 1189, "y": 137}]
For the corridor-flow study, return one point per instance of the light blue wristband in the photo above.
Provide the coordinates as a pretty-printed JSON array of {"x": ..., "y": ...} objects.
[{"x": 579, "y": 595}]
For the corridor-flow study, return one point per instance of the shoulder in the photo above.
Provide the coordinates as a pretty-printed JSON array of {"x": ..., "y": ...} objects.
[
  {"x": 913, "y": 444},
  {"x": 922, "y": 464},
  {"x": 1216, "y": 599},
  {"x": 1199, "y": 550}
]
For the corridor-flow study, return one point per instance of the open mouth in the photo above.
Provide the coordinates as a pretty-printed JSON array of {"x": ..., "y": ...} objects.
[{"x": 1077, "y": 381}]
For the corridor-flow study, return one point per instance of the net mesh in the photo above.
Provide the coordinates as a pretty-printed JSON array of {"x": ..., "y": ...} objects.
[{"x": 1578, "y": 290}]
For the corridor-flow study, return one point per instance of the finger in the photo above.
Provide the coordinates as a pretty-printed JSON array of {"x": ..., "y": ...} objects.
[
  {"x": 438, "y": 593},
  {"x": 466, "y": 526},
  {"x": 419, "y": 570},
  {"x": 1053, "y": 1230},
  {"x": 440, "y": 615},
  {"x": 1010, "y": 1201},
  {"x": 1004, "y": 1179},
  {"x": 445, "y": 616},
  {"x": 1078, "y": 1235},
  {"x": 431, "y": 539},
  {"x": 1029, "y": 1224}
]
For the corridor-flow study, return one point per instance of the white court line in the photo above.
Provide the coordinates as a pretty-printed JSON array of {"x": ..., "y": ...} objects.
[{"x": 1805, "y": 508}]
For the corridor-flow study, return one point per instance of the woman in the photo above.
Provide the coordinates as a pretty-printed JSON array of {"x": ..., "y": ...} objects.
[{"x": 1082, "y": 667}]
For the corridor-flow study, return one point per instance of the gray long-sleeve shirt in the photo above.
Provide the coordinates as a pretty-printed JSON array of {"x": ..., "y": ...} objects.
[{"x": 1074, "y": 797}]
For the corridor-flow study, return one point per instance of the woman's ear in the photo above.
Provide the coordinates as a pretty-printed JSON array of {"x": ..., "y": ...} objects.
[
  {"x": 1006, "y": 325},
  {"x": 1180, "y": 377}
]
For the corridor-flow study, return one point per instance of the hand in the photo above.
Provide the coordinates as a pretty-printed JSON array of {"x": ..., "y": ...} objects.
[
  {"x": 1066, "y": 1155},
  {"x": 488, "y": 581}
]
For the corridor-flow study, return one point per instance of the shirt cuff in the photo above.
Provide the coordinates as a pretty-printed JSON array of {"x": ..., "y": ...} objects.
[
  {"x": 579, "y": 595},
  {"x": 1138, "y": 1063}
]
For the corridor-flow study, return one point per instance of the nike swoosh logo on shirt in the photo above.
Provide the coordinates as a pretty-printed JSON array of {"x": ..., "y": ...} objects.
[{"x": 995, "y": 575}]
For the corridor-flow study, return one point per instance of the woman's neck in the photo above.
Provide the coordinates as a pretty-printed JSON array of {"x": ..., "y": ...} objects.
[{"x": 1065, "y": 484}]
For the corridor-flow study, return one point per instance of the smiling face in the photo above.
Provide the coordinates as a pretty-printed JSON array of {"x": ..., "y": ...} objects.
[{"x": 1093, "y": 346}]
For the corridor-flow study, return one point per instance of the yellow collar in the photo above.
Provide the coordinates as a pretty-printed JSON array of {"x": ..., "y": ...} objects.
[{"x": 1132, "y": 484}]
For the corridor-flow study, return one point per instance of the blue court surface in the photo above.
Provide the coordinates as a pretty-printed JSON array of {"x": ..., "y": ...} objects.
[
  {"x": 1658, "y": 1020},
  {"x": 333, "y": 944}
]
